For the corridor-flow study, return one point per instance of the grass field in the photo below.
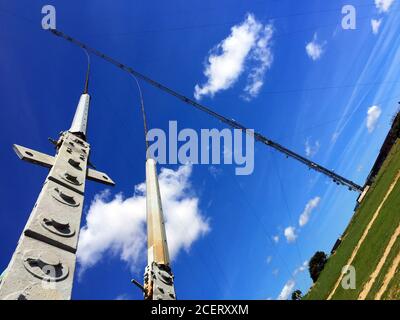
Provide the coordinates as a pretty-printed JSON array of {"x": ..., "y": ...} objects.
[{"x": 375, "y": 243}]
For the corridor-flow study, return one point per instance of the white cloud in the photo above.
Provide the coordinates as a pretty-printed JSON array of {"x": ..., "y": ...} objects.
[
  {"x": 315, "y": 49},
  {"x": 263, "y": 58},
  {"x": 287, "y": 290},
  {"x": 375, "y": 25},
  {"x": 383, "y": 5},
  {"x": 269, "y": 259},
  {"x": 334, "y": 137},
  {"x": 214, "y": 171},
  {"x": 249, "y": 40},
  {"x": 301, "y": 269},
  {"x": 275, "y": 238},
  {"x": 290, "y": 234},
  {"x": 373, "y": 115},
  {"x": 311, "y": 149},
  {"x": 310, "y": 206},
  {"x": 117, "y": 226}
]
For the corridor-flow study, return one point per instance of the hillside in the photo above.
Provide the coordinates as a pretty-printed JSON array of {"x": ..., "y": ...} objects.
[{"x": 371, "y": 242}]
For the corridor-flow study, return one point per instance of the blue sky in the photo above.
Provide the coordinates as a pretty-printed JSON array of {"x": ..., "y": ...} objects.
[{"x": 318, "y": 99}]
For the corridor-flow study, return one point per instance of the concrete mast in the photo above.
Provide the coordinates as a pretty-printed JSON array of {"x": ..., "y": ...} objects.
[
  {"x": 43, "y": 264},
  {"x": 158, "y": 279}
]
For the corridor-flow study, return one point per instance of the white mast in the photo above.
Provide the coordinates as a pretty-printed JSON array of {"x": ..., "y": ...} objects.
[{"x": 43, "y": 264}]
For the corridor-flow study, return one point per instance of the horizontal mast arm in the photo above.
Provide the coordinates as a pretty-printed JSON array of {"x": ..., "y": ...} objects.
[{"x": 230, "y": 122}]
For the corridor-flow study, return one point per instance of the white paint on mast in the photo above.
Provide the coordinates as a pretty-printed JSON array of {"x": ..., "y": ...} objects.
[
  {"x": 157, "y": 239},
  {"x": 158, "y": 278},
  {"x": 79, "y": 124}
]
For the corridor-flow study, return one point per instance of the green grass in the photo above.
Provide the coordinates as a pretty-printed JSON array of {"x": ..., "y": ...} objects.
[
  {"x": 375, "y": 243},
  {"x": 393, "y": 289},
  {"x": 379, "y": 280}
]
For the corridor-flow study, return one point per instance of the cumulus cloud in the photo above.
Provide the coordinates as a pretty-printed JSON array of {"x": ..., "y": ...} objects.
[
  {"x": 301, "y": 269},
  {"x": 315, "y": 49},
  {"x": 373, "y": 115},
  {"x": 263, "y": 58},
  {"x": 290, "y": 234},
  {"x": 310, "y": 206},
  {"x": 375, "y": 25},
  {"x": 248, "y": 41},
  {"x": 123, "y": 296},
  {"x": 311, "y": 149},
  {"x": 335, "y": 136},
  {"x": 117, "y": 226},
  {"x": 214, "y": 171},
  {"x": 289, "y": 286},
  {"x": 383, "y": 5},
  {"x": 275, "y": 238},
  {"x": 287, "y": 290}
]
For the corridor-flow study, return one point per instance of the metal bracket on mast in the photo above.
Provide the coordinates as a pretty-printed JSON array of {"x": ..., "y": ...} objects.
[
  {"x": 159, "y": 282},
  {"x": 47, "y": 161}
]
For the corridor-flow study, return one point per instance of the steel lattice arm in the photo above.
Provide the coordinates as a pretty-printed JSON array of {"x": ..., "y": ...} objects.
[{"x": 232, "y": 123}]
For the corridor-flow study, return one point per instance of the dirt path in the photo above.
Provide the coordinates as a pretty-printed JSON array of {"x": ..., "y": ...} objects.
[
  {"x": 361, "y": 241},
  {"x": 378, "y": 268},
  {"x": 388, "y": 277}
]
